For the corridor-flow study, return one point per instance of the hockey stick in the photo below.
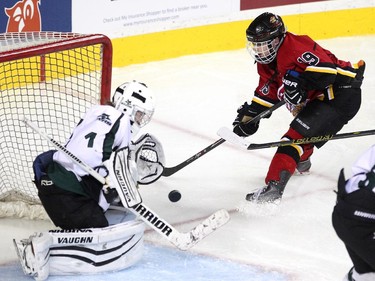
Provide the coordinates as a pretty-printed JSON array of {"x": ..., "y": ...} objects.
[
  {"x": 233, "y": 138},
  {"x": 171, "y": 170},
  {"x": 183, "y": 241}
]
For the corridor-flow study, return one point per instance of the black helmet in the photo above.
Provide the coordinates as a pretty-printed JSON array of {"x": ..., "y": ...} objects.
[
  {"x": 262, "y": 32},
  {"x": 265, "y": 27}
]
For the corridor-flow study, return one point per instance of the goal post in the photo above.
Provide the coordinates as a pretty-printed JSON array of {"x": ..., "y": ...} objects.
[{"x": 51, "y": 78}]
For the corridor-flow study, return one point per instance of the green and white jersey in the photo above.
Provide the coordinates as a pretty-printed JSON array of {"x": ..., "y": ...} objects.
[{"x": 102, "y": 130}]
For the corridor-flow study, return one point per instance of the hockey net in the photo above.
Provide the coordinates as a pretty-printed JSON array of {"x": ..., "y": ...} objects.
[{"x": 51, "y": 78}]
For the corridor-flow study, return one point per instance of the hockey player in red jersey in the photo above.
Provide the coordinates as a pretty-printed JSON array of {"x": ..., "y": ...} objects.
[{"x": 321, "y": 91}]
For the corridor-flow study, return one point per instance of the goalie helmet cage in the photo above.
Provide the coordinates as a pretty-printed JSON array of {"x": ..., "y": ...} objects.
[{"x": 51, "y": 78}]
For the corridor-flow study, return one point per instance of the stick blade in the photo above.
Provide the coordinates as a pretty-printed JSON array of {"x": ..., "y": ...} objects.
[
  {"x": 202, "y": 230},
  {"x": 231, "y": 137}
]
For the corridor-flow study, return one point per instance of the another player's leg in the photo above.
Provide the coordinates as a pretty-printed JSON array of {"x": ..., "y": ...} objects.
[
  {"x": 304, "y": 164},
  {"x": 282, "y": 167}
]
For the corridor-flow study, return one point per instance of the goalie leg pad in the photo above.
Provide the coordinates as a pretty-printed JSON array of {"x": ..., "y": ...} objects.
[
  {"x": 81, "y": 251},
  {"x": 96, "y": 250}
]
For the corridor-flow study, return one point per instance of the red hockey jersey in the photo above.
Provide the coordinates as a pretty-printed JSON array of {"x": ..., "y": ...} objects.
[{"x": 321, "y": 70}]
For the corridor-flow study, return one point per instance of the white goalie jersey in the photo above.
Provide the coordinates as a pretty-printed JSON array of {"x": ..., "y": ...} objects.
[{"x": 100, "y": 131}]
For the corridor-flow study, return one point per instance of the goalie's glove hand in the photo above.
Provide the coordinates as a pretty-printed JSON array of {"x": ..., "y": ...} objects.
[
  {"x": 110, "y": 195},
  {"x": 294, "y": 92},
  {"x": 242, "y": 125}
]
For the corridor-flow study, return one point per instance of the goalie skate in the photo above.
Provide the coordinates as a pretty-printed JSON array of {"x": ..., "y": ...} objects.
[
  {"x": 34, "y": 263},
  {"x": 24, "y": 252}
]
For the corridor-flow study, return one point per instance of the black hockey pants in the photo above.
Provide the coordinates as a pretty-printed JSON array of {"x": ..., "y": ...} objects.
[
  {"x": 353, "y": 219},
  {"x": 67, "y": 209}
]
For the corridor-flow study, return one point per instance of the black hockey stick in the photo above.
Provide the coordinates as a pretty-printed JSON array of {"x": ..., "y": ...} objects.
[
  {"x": 233, "y": 138},
  {"x": 171, "y": 170}
]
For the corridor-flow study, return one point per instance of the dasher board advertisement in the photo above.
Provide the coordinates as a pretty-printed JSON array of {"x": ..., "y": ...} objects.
[{"x": 121, "y": 18}]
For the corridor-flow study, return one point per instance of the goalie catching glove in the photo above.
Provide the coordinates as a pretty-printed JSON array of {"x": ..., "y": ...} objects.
[
  {"x": 140, "y": 163},
  {"x": 148, "y": 154}
]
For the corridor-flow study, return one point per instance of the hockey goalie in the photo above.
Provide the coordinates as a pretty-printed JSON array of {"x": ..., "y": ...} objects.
[{"x": 95, "y": 231}]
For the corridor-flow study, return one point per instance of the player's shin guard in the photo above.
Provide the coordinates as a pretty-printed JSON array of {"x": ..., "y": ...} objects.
[{"x": 280, "y": 162}]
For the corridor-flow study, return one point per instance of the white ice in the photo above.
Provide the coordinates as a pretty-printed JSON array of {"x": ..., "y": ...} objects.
[{"x": 196, "y": 95}]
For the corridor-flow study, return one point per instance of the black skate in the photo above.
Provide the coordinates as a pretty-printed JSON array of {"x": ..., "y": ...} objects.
[
  {"x": 271, "y": 193},
  {"x": 303, "y": 167},
  {"x": 268, "y": 194}
]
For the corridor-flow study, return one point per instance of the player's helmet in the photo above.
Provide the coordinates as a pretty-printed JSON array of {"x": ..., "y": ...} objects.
[
  {"x": 135, "y": 100},
  {"x": 264, "y": 37}
]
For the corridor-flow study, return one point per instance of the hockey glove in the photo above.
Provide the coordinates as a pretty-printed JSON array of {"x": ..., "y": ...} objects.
[
  {"x": 294, "y": 93},
  {"x": 242, "y": 125}
]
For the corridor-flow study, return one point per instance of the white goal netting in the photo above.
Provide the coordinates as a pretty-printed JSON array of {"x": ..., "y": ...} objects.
[{"x": 50, "y": 78}]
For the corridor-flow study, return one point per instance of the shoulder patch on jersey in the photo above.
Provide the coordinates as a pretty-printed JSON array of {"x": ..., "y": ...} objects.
[{"x": 104, "y": 118}]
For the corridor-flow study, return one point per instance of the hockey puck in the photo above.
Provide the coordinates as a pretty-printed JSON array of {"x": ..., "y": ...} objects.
[{"x": 174, "y": 196}]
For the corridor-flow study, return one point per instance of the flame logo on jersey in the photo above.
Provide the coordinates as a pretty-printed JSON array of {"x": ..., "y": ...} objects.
[{"x": 24, "y": 16}]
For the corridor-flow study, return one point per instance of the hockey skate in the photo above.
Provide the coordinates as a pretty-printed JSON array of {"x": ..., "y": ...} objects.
[
  {"x": 303, "y": 167},
  {"x": 267, "y": 194},
  {"x": 271, "y": 193}
]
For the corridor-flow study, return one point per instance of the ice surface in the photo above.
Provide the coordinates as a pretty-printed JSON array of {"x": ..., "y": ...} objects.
[{"x": 196, "y": 95}]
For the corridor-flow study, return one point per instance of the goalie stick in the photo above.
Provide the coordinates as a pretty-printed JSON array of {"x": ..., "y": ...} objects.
[
  {"x": 228, "y": 135},
  {"x": 182, "y": 241},
  {"x": 171, "y": 170}
]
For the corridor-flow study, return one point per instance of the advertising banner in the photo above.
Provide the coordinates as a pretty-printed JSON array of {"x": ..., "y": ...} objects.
[
  {"x": 119, "y": 18},
  {"x": 35, "y": 15}
]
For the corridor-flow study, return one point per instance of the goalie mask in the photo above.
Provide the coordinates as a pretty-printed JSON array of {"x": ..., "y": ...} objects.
[
  {"x": 264, "y": 37},
  {"x": 135, "y": 100}
]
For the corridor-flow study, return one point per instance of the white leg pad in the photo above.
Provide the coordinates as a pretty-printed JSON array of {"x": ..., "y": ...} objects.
[
  {"x": 84, "y": 251},
  {"x": 96, "y": 250}
]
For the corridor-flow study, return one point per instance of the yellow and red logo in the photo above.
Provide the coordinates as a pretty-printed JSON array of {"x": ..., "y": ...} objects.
[{"x": 24, "y": 16}]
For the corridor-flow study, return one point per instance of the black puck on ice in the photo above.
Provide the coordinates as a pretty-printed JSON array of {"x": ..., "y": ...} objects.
[{"x": 174, "y": 196}]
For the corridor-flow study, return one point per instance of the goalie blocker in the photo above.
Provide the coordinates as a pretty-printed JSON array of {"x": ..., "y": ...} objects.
[
  {"x": 140, "y": 163},
  {"x": 81, "y": 251}
]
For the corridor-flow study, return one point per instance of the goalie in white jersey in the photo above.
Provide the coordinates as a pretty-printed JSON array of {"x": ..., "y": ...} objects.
[{"x": 78, "y": 203}]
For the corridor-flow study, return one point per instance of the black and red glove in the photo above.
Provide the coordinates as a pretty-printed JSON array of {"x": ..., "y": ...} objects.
[
  {"x": 242, "y": 125},
  {"x": 294, "y": 92}
]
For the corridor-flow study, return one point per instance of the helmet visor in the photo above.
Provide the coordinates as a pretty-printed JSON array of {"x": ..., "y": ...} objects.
[
  {"x": 263, "y": 52},
  {"x": 142, "y": 116}
]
